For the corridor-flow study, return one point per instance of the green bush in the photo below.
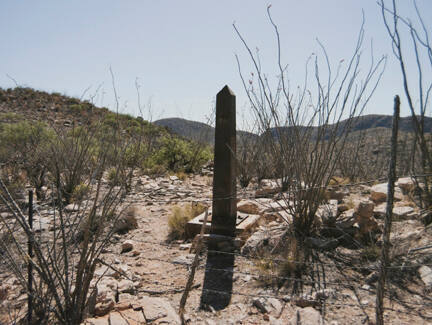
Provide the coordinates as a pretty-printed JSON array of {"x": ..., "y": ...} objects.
[
  {"x": 80, "y": 192},
  {"x": 112, "y": 176},
  {"x": 73, "y": 157},
  {"x": 24, "y": 145},
  {"x": 370, "y": 253},
  {"x": 181, "y": 155}
]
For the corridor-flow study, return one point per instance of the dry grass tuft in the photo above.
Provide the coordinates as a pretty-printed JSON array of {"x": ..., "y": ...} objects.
[
  {"x": 180, "y": 216},
  {"x": 181, "y": 176}
]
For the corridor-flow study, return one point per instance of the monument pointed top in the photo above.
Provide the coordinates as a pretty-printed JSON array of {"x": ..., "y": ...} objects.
[{"x": 226, "y": 90}]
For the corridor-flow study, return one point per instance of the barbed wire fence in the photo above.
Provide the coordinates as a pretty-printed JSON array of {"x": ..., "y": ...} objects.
[
  {"x": 421, "y": 309},
  {"x": 403, "y": 306}
]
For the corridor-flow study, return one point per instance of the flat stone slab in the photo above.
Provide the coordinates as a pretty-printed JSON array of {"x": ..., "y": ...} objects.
[
  {"x": 399, "y": 213},
  {"x": 158, "y": 309},
  {"x": 379, "y": 193},
  {"x": 244, "y": 223},
  {"x": 97, "y": 321}
]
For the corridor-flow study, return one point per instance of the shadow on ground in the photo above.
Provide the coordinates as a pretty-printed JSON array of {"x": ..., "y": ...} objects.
[{"x": 218, "y": 281}]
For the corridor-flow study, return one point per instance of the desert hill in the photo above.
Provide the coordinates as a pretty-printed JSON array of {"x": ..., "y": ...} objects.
[
  {"x": 193, "y": 130},
  {"x": 51, "y": 108},
  {"x": 367, "y": 123}
]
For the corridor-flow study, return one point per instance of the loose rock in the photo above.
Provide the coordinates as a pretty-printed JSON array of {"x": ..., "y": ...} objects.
[{"x": 127, "y": 246}]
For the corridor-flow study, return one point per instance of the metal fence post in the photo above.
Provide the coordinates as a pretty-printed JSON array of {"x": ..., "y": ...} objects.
[{"x": 30, "y": 254}]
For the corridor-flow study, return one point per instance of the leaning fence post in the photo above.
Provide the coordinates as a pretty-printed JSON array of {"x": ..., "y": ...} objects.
[
  {"x": 379, "y": 308},
  {"x": 193, "y": 269},
  {"x": 30, "y": 254}
]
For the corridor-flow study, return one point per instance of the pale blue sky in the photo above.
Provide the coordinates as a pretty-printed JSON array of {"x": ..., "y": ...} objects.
[{"x": 182, "y": 52}]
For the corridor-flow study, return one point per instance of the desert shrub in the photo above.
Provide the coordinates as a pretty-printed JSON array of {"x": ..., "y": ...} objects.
[
  {"x": 180, "y": 216},
  {"x": 304, "y": 130},
  {"x": 112, "y": 176},
  {"x": 24, "y": 145},
  {"x": 181, "y": 176},
  {"x": 110, "y": 119},
  {"x": 410, "y": 38},
  {"x": 274, "y": 273},
  {"x": 11, "y": 117},
  {"x": 370, "y": 253},
  {"x": 155, "y": 170},
  {"x": 79, "y": 108},
  {"x": 266, "y": 269},
  {"x": 249, "y": 157},
  {"x": 133, "y": 158},
  {"x": 181, "y": 155},
  {"x": 74, "y": 156},
  {"x": 80, "y": 192},
  {"x": 15, "y": 181},
  {"x": 64, "y": 265}
]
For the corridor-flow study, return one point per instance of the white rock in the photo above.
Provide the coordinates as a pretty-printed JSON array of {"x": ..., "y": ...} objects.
[
  {"x": 274, "y": 321},
  {"x": 158, "y": 309},
  {"x": 402, "y": 212},
  {"x": 276, "y": 305},
  {"x": 97, "y": 321},
  {"x": 117, "y": 319},
  {"x": 379, "y": 193},
  {"x": 406, "y": 184},
  {"x": 71, "y": 207},
  {"x": 105, "y": 300},
  {"x": 425, "y": 273},
  {"x": 184, "y": 247},
  {"x": 104, "y": 271},
  {"x": 41, "y": 224},
  {"x": 184, "y": 259},
  {"x": 277, "y": 206},
  {"x": 126, "y": 286},
  {"x": 380, "y": 210},
  {"x": 328, "y": 211},
  {"x": 306, "y": 316}
]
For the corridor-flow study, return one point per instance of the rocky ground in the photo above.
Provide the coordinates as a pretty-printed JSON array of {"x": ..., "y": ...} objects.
[{"x": 144, "y": 275}]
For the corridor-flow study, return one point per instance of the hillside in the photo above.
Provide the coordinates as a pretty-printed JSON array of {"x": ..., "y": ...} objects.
[
  {"x": 368, "y": 123},
  {"x": 52, "y": 108},
  {"x": 373, "y": 121},
  {"x": 189, "y": 129},
  {"x": 365, "y": 123},
  {"x": 193, "y": 130},
  {"x": 26, "y": 114}
]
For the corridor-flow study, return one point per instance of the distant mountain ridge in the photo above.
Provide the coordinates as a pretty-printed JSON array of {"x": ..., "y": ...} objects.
[
  {"x": 188, "y": 129},
  {"x": 203, "y": 132},
  {"x": 193, "y": 130},
  {"x": 372, "y": 121}
]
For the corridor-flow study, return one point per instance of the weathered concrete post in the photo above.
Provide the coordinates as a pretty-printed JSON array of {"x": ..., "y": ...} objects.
[
  {"x": 218, "y": 278},
  {"x": 224, "y": 174}
]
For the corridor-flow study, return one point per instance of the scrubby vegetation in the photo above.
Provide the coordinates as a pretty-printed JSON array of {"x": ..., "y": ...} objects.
[
  {"x": 81, "y": 159},
  {"x": 40, "y": 151}
]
